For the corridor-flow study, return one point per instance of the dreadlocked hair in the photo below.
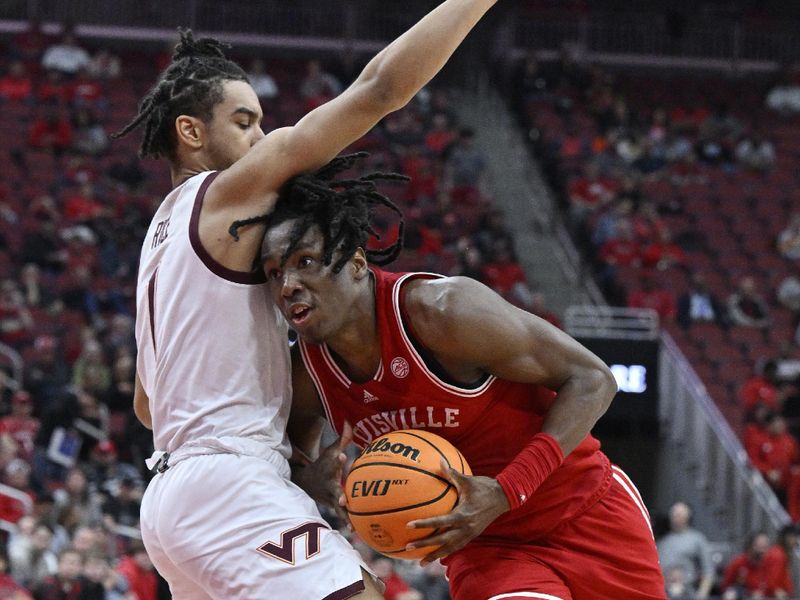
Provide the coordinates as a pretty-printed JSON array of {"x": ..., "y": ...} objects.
[
  {"x": 341, "y": 208},
  {"x": 190, "y": 85}
]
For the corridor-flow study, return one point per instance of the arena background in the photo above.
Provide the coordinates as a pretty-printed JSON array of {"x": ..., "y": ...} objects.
[{"x": 588, "y": 160}]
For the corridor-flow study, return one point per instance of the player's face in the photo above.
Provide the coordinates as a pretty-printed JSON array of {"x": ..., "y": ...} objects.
[
  {"x": 314, "y": 300},
  {"x": 235, "y": 126}
]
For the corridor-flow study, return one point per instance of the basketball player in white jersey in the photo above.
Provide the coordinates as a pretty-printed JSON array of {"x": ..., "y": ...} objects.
[{"x": 221, "y": 519}]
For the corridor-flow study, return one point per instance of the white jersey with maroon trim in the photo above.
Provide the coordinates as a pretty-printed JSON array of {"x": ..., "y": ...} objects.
[{"x": 213, "y": 352}]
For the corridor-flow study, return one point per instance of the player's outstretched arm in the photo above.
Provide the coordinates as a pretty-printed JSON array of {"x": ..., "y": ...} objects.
[
  {"x": 464, "y": 323},
  {"x": 387, "y": 83}
]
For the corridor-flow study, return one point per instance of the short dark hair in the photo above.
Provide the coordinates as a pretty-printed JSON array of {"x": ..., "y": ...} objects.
[
  {"x": 341, "y": 208},
  {"x": 190, "y": 85}
]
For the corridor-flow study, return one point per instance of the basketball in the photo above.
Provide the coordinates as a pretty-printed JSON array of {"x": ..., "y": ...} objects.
[{"x": 397, "y": 479}]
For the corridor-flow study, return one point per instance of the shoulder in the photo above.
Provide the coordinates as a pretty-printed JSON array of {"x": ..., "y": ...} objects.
[{"x": 437, "y": 304}]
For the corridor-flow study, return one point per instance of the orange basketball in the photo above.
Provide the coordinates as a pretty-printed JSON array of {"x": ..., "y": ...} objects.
[{"x": 397, "y": 479}]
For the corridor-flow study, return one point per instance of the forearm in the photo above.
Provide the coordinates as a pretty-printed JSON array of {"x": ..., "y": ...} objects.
[
  {"x": 412, "y": 60},
  {"x": 581, "y": 401}
]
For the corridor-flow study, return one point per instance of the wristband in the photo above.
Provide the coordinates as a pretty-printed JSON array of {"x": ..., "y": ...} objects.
[{"x": 534, "y": 463}]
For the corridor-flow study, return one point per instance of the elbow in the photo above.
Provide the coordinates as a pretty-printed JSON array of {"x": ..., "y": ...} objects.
[
  {"x": 385, "y": 91},
  {"x": 604, "y": 387}
]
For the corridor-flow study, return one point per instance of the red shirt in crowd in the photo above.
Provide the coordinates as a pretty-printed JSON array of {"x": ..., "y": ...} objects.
[
  {"x": 591, "y": 192},
  {"x": 764, "y": 576},
  {"x": 47, "y": 133},
  {"x": 774, "y": 454},
  {"x": 661, "y": 301},
  {"x": 663, "y": 255},
  {"x": 16, "y": 88},
  {"x": 142, "y": 582},
  {"x": 503, "y": 275},
  {"x": 23, "y": 431},
  {"x": 621, "y": 252},
  {"x": 758, "y": 390}
]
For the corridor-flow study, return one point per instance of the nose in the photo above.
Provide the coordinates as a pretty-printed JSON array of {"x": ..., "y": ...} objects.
[
  {"x": 257, "y": 136},
  {"x": 290, "y": 285}
]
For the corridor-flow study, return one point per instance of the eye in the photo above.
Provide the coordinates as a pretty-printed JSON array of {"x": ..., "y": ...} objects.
[
  {"x": 306, "y": 261},
  {"x": 244, "y": 126},
  {"x": 273, "y": 274}
]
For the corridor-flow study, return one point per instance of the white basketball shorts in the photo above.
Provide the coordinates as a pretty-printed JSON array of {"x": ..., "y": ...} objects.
[{"x": 233, "y": 527}]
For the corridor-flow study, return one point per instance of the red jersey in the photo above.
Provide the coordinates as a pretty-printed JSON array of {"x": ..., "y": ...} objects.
[{"x": 489, "y": 422}]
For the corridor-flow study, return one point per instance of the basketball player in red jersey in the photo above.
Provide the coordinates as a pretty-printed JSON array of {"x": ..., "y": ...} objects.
[
  {"x": 204, "y": 326},
  {"x": 545, "y": 515}
]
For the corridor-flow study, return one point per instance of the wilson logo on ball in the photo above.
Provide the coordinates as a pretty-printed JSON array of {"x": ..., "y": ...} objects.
[
  {"x": 376, "y": 487},
  {"x": 383, "y": 445}
]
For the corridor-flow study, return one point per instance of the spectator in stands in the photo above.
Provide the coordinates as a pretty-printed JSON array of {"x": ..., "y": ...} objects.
[
  {"x": 755, "y": 573},
  {"x": 66, "y": 57},
  {"x": 68, "y": 583},
  {"x": 46, "y": 374},
  {"x": 622, "y": 249},
  {"x": 784, "y": 553},
  {"x": 77, "y": 495},
  {"x": 699, "y": 304},
  {"x": 89, "y": 136},
  {"x": 664, "y": 253},
  {"x": 396, "y": 587},
  {"x": 54, "y": 89},
  {"x": 30, "y": 555},
  {"x": 17, "y": 84},
  {"x": 107, "y": 473},
  {"x": 105, "y": 65},
  {"x": 431, "y": 579},
  {"x": 42, "y": 244},
  {"x": 785, "y": 97},
  {"x": 589, "y": 193},
  {"x": 789, "y": 238},
  {"x": 263, "y": 83},
  {"x": 774, "y": 454},
  {"x": 466, "y": 164},
  {"x": 318, "y": 86},
  {"x": 502, "y": 272},
  {"x": 762, "y": 389},
  {"x": 51, "y": 131},
  {"x": 746, "y": 307},
  {"x": 17, "y": 474},
  {"x": 610, "y": 222},
  {"x": 16, "y": 323},
  {"x": 87, "y": 92},
  {"x": 136, "y": 567},
  {"x": 97, "y": 570},
  {"x": 21, "y": 426},
  {"x": 440, "y": 136},
  {"x": 649, "y": 295},
  {"x": 9, "y": 588},
  {"x": 756, "y": 153},
  {"x": 92, "y": 357},
  {"x": 686, "y": 549},
  {"x": 677, "y": 586}
]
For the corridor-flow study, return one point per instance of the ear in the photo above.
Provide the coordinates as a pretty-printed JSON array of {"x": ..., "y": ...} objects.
[
  {"x": 190, "y": 132},
  {"x": 359, "y": 264}
]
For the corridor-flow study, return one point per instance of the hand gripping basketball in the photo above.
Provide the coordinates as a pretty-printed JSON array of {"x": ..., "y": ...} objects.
[
  {"x": 480, "y": 501},
  {"x": 322, "y": 478}
]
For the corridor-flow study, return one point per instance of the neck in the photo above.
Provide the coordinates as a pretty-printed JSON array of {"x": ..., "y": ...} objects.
[
  {"x": 356, "y": 343},
  {"x": 180, "y": 173}
]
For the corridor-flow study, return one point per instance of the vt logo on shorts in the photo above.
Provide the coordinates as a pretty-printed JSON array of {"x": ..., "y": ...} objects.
[{"x": 285, "y": 551}]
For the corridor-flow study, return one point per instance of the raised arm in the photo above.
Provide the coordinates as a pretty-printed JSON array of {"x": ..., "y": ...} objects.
[{"x": 387, "y": 83}]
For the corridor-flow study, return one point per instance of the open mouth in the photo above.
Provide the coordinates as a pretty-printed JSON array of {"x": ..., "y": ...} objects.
[{"x": 298, "y": 313}]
